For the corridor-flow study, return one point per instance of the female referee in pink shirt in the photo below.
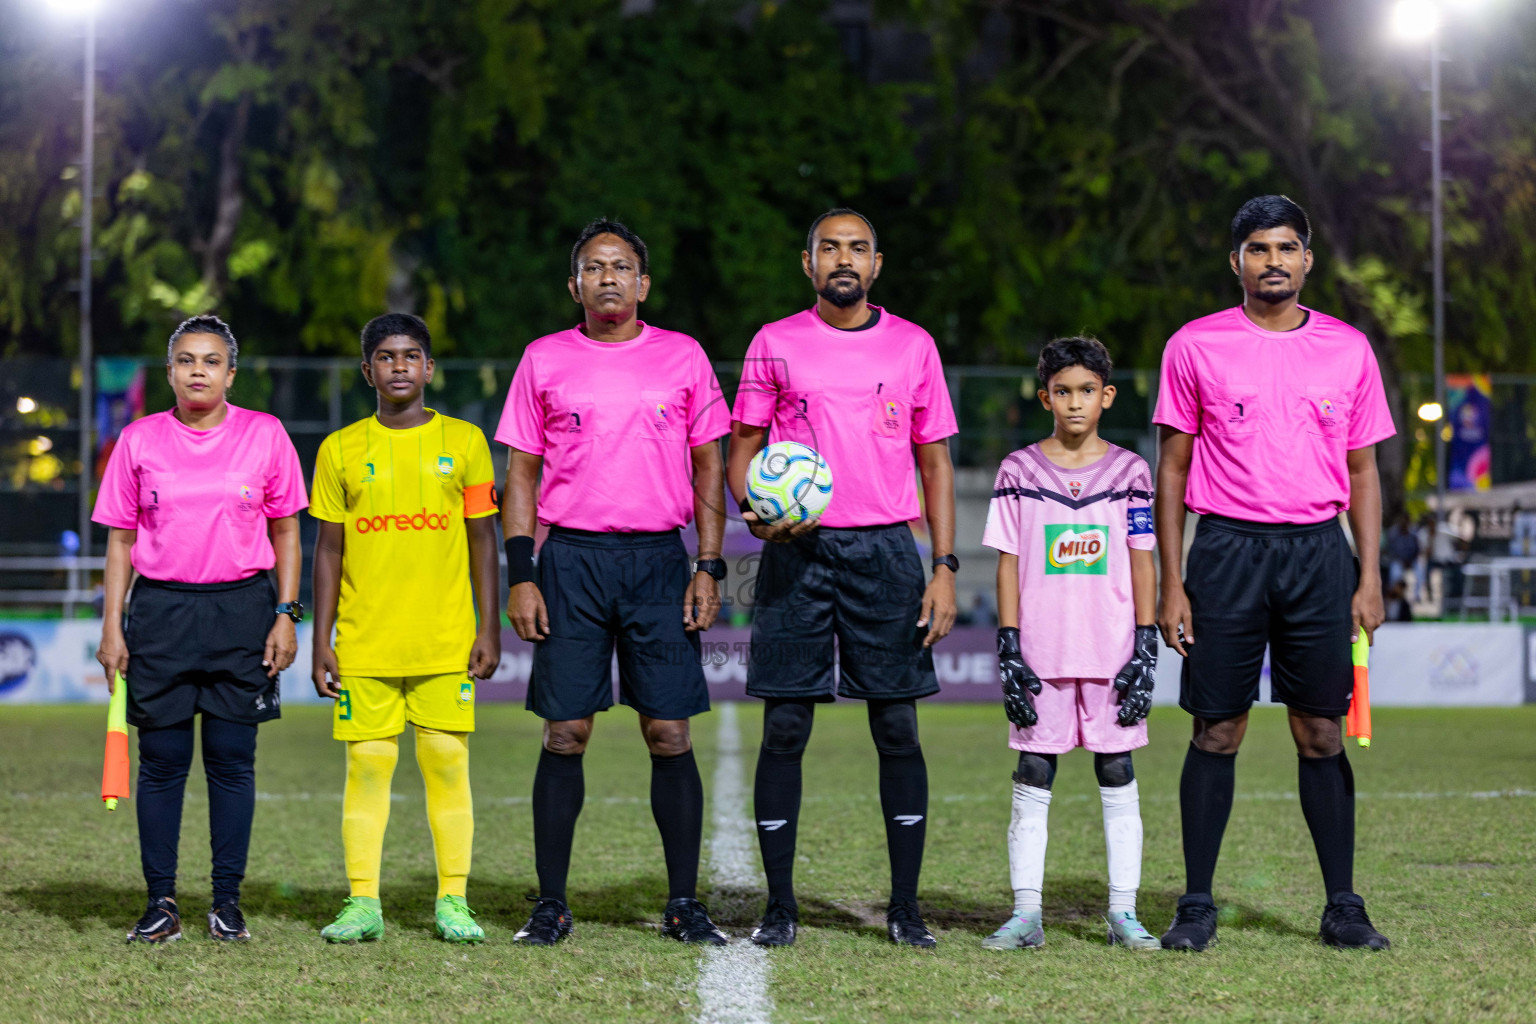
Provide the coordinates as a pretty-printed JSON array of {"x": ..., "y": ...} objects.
[{"x": 201, "y": 501}]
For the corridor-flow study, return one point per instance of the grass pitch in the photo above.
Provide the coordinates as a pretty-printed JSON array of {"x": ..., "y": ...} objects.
[{"x": 1447, "y": 818}]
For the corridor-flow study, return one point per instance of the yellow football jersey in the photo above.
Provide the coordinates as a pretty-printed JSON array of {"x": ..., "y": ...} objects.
[{"x": 406, "y": 606}]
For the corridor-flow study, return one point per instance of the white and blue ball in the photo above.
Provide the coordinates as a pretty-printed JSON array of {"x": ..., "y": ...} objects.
[{"x": 788, "y": 480}]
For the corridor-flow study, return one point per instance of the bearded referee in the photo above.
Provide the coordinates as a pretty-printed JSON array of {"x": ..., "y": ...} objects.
[
  {"x": 623, "y": 421},
  {"x": 865, "y": 389},
  {"x": 1269, "y": 414}
]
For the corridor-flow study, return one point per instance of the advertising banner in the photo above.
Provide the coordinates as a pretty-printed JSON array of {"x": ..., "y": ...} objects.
[
  {"x": 1412, "y": 665},
  {"x": 1469, "y": 408}
]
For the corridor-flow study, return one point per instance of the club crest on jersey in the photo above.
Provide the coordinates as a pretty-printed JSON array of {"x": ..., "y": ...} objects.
[
  {"x": 445, "y": 465},
  {"x": 367, "y": 472},
  {"x": 1076, "y": 487},
  {"x": 1074, "y": 548},
  {"x": 466, "y": 693}
]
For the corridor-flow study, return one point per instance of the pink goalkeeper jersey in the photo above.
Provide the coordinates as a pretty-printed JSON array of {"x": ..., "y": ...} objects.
[
  {"x": 861, "y": 398},
  {"x": 1073, "y": 530},
  {"x": 200, "y": 499},
  {"x": 1274, "y": 414},
  {"x": 614, "y": 422}
]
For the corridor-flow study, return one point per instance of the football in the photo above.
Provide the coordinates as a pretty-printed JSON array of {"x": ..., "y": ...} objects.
[{"x": 788, "y": 480}]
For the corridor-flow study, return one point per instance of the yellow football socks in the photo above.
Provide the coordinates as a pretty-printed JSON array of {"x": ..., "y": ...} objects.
[
  {"x": 444, "y": 761},
  {"x": 365, "y": 810}
]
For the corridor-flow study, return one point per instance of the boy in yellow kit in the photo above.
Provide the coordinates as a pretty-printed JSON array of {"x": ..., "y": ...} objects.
[{"x": 405, "y": 564}]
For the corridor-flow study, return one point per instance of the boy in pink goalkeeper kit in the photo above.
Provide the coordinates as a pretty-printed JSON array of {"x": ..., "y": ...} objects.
[{"x": 1071, "y": 519}]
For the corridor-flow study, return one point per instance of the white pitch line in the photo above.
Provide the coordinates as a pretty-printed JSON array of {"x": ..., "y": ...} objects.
[{"x": 733, "y": 979}]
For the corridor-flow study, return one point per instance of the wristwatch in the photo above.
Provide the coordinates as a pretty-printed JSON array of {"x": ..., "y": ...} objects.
[
  {"x": 714, "y": 566},
  {"x": 292, "y": 609},
  {"x": 950, "y": 562}
]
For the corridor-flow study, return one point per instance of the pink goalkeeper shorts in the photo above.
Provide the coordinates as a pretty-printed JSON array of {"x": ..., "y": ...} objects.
[{"x": 1078, "y": 713}]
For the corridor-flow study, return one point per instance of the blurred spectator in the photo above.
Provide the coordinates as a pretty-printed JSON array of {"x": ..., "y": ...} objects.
[
  {"x": 1402, "y": 550},
  {"x": 1399, "y": 608}
]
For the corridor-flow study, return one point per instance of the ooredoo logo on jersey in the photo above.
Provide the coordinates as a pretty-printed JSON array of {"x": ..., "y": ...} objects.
[
  {"x": 422, "y": 520},
  {"x": 1074, "y": 548}
]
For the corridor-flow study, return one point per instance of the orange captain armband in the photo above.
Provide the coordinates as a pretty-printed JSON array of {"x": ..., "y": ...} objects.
[{"x": 479, "y": 499}]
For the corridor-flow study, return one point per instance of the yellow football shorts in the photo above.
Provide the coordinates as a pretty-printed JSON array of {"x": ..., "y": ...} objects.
[{"x": 372, "y": 709}]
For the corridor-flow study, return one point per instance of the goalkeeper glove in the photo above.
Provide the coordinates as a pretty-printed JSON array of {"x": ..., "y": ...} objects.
[
  {"x": 1019, "y": 680},
  {"x": 1135, "y": 682}
]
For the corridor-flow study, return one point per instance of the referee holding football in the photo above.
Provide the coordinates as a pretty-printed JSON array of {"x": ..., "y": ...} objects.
[
  {"x": 201, "y": 501},
  {"x": 866, "y": 390},
  {"x": 1269, "y": 413},
  {"x": 623, "y": 421}
]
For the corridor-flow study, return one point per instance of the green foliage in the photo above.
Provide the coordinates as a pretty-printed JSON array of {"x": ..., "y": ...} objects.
[{"x": 1046, "y": 168}]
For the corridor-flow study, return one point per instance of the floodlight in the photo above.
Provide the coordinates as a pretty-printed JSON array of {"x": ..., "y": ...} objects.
[{"x": 1415, "y": 19}]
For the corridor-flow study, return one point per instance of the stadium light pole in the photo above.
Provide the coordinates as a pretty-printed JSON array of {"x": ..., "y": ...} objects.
[
  {"x": 1420, "y": 20},
  {"x": 85, "y": 10}
]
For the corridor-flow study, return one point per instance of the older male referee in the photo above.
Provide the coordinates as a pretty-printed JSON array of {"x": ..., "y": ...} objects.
[{"x": 1269, "y": 413}]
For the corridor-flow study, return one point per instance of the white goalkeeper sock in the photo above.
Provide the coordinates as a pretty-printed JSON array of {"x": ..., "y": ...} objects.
[
  {"x": 1122, "y": 840},
  {"x": 1026, "y": 846}
]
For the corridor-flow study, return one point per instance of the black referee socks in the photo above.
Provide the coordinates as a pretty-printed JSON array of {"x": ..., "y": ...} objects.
[
  {"x": 1205, "y": 803},
  {"x": 677, "y": 803},
  {"x": 559, "y": 789},
  {"x": 1327, "y": 788},
  {"x": 903, "y": 792}
]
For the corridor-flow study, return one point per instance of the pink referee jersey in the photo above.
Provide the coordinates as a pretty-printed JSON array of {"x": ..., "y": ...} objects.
[
  {"x": 614, "y": 422},
  {"x": 861, "y": 398},
  {"x": 1274, "y": 414},
  {"x": 1073, "y": 530},
  {"x": 200, "y": 499}
]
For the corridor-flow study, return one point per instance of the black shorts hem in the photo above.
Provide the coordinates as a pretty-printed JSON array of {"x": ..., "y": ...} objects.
[
  {"x": 668, "y": 715},
  {"x": 1215, "y": 716},
  {"x": 150, "y": 722},
  {"x": 916, "y": 694},
  {"x": 818, "y": 695},
  {"x": 1310, "y": 710}
]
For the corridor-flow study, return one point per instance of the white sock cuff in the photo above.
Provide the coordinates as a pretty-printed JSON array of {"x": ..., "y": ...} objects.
[
  {"x": 1120, "y": 797},
  {"x": 1031, "y": 794}
]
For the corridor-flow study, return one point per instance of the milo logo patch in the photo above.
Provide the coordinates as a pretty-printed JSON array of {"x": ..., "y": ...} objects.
[{"x": 1075, "y": 548}]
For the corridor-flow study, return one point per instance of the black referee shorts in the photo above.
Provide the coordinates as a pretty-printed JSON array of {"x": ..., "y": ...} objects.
[
  {"x": 1287, "y": 586},
  {"x": 861, "y": 585},
  {"x": 198, "y": 647},
  {"x": 603, "y": 589}
]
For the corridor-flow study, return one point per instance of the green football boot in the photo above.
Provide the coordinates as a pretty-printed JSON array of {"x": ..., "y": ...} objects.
[
  {"x": 1125, "y": 930},
  {"x": 456, "y": 922},
  {"x": 1021, "y": 931},
  {"x": 361, "y": 920}
]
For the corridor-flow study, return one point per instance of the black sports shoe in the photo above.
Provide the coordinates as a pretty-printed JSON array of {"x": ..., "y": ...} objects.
[
  {"x": 780, "y": 923},
  {"x": 548, "y": 924},
  {"x": 1346, "y": 925},
  {"x": 227, "y": 924},
  {"x": 905, "y": 926},
  {"x": 1194, "y": 923},
  {"x": 161, "y": 922},
  {"x": 687, "y": 920}
]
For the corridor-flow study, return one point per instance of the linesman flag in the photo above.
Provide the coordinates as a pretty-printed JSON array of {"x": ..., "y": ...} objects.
[
  {"x": 114, "y": 766},
  {"x": 1358, "y": 721}
]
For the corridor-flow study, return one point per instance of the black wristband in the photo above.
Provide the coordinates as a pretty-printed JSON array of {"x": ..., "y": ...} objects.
[{"x": 519, "y": 560}]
